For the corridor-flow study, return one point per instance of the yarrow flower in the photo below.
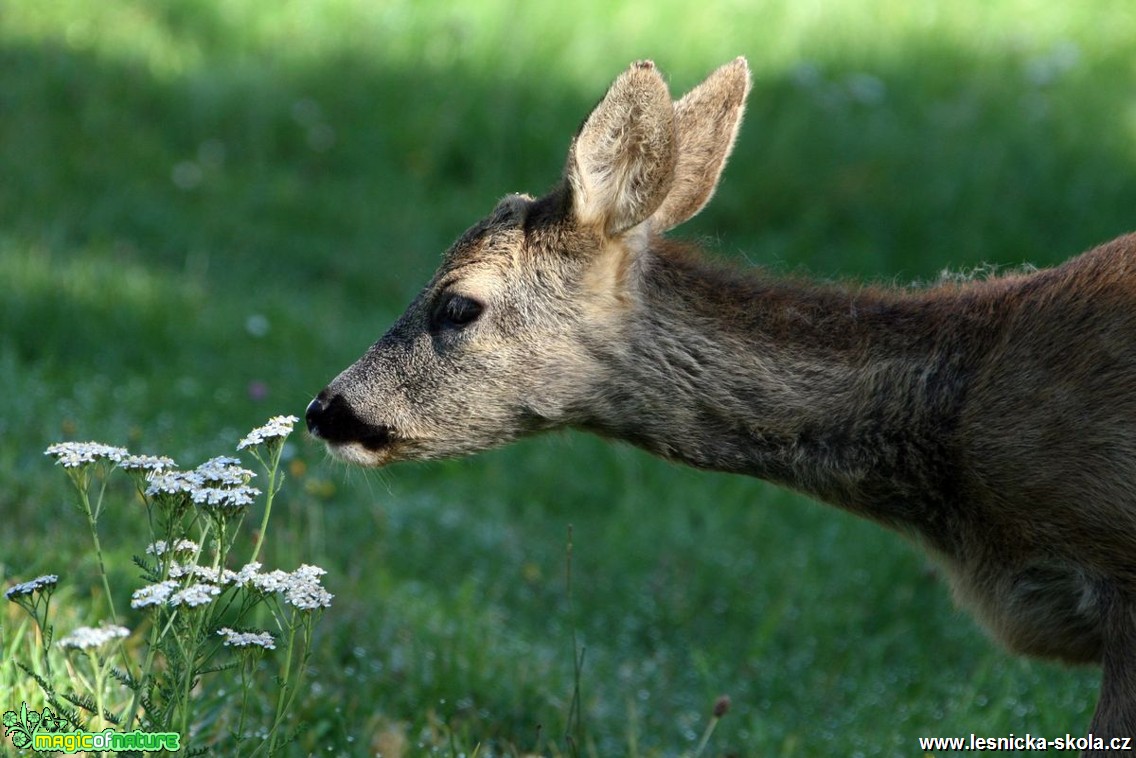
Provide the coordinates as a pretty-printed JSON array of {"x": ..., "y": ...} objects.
[
  {"x": 153, "y": 594},
  {"x": 277, "y": 427},
  {"x": 219, "y": 483},
  {"x": 35, "y": 585},
  {"x": 273, "y": 581},
  {"x": 195, "y": 595},
  {"x": 77, "y": 454},
  {"x": 308, "y": 573},
  {"x": 304, "y": 590},
  {"x": 172, "y": 483},
  {"x": 203, "y": 573},
  {"x": 146, "y": 463},
  {"x": 222, "y": 498},
  {"x": 234, "y": 638},
  {"x": 223, "y": 471},
  {"x": 301, "y": 588},
  {"x": 160, "y": 547},
  {"x": 242, "y": 577},
  {"x": 87, "y": 637}
]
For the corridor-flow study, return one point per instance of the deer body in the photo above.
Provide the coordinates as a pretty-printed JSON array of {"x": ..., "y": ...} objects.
[
  {"x": 993, "y": 421},
  {"x": 955, "y": 415}
]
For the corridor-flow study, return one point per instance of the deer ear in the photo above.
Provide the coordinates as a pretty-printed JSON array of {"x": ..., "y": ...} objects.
[
  {"x": 706, "y": 124},
  {"x": 621, "y": 164}
]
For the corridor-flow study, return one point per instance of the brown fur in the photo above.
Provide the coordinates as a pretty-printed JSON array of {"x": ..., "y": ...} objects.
[{"x": 992, "y": 421}]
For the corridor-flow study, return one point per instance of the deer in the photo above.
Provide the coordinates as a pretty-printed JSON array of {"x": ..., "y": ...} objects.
[{"x": 990, "y": 420}]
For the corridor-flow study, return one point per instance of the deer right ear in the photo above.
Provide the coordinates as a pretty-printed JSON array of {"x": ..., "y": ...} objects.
[{"x": 621, "y": 164}]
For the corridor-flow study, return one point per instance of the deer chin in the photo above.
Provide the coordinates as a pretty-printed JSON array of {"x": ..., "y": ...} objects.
[{"x": 359, "y": 454}]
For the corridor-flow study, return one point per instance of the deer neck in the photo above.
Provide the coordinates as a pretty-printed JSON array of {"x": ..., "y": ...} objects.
[{"x": 849, "y": 396}]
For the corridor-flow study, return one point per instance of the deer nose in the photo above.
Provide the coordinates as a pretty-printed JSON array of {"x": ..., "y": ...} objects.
[
  {"x": 331, "y": 418},
  {"x": 315, "y": 413}
]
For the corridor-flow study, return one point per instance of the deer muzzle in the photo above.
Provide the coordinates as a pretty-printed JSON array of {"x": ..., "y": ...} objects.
[{"x": 330, "y": 418}]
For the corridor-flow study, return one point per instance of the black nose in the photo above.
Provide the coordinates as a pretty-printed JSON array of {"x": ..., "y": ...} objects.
[
  {"x": 332, "y": 419},
  {"x": 316, "y": 413}
]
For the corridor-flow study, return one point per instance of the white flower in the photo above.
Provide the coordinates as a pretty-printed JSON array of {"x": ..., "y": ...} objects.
[
  {"x": 204, "y": 573},
  {"x": 172, "y": 483},
  {"x": 87, "y": 637},
  {"x": 277, "y": 427},
  {"x": 242, "y": 577},
  {"x": 76, "y": 454},
  {"x": 146, "y": 463},
  {"x": 27, "y": 588},
  {"x": 153, "y": 594},
  {"x": 178, "y": 570},
  {"x": 207, "y": 574},
  {"x": 304, "y": 590},
  {"x": 247, "y": 639},
  {"x": 224, "y": 498},
  {"x": 307, "y": 572},
  {"x": 160, "y": 547},
  {"x": 308, "y": 596},
  {"x": 223, "y": 471},
  {"x": 274, "y": 581},
  {"x": 195, "y": 595},
  {"x": 301, "y": 588}
]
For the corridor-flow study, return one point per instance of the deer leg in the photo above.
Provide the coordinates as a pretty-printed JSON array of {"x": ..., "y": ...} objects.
[{"x": 1115, "y": 717}]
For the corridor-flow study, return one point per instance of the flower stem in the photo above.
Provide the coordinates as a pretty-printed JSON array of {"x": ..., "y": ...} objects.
[
  {"x": 285, "y": 687},
  {"x": 273, "y": 487},
  {"x": 92, "y": 524}
]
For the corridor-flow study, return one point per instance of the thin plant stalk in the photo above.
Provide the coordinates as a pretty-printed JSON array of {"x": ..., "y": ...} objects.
[
  {"x": 275, "y": 451},
  {"x": 92, "y": 524},
  {"x": 282, "y": 698}
]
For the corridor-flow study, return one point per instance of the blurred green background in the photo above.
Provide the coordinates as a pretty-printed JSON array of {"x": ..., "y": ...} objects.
[{"x": 209, "y": 208}]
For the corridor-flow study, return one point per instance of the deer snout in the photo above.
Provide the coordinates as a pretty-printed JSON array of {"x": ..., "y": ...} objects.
[{"x": 331, "y": 419}]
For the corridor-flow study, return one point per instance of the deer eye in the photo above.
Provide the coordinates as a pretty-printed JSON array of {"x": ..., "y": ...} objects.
[{"x": 455, "y": 312}]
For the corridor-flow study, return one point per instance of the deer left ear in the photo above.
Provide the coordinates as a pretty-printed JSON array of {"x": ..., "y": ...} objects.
[
  {"x": 706, "y": 124},
  {"x": 621, "y": 164}
]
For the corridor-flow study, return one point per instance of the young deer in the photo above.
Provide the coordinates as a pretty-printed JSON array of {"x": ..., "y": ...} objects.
[{"x": 994, "y": 422}]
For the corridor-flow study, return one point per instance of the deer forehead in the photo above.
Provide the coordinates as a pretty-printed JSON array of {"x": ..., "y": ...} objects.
[{"x": 483, "y": 259}]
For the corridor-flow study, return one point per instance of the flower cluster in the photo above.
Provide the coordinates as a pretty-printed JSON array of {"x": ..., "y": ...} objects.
[
  {"x": 78, "y": 454},
  {"x": 146, "y": 463},
  {"x": 223, "y": 471},
  {"x": 304, "y": 590},
  {"x": 160, "y": 547},
  {"x": 171, "y": 483},
  {"x": 278, "y": 427},
  {"x": 195, "y": 595},
  {"x": 240, "y": 578},
  {"x": 219, "y": 485},
  {"x": 194, "y": 518},
  {"x": 300, "y": 588},
  {"x": 153, "y": 594},
  {"x": 47, "y": 581},
  {"x": 88, "y": 637},
  {"x": 225, "y": 498},
  {"x": 234, "y": 638},
  {"x": 203, "y": 573}
]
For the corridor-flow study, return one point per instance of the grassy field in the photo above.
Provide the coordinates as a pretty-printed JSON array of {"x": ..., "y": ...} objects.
[{"x": 208, "y": 209}]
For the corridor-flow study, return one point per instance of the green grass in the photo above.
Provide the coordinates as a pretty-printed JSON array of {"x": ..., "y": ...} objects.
[{"x": 173, "y": 173}]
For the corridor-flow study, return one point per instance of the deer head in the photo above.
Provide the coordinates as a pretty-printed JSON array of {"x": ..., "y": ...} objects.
[{"x": 515, "y": 332}]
